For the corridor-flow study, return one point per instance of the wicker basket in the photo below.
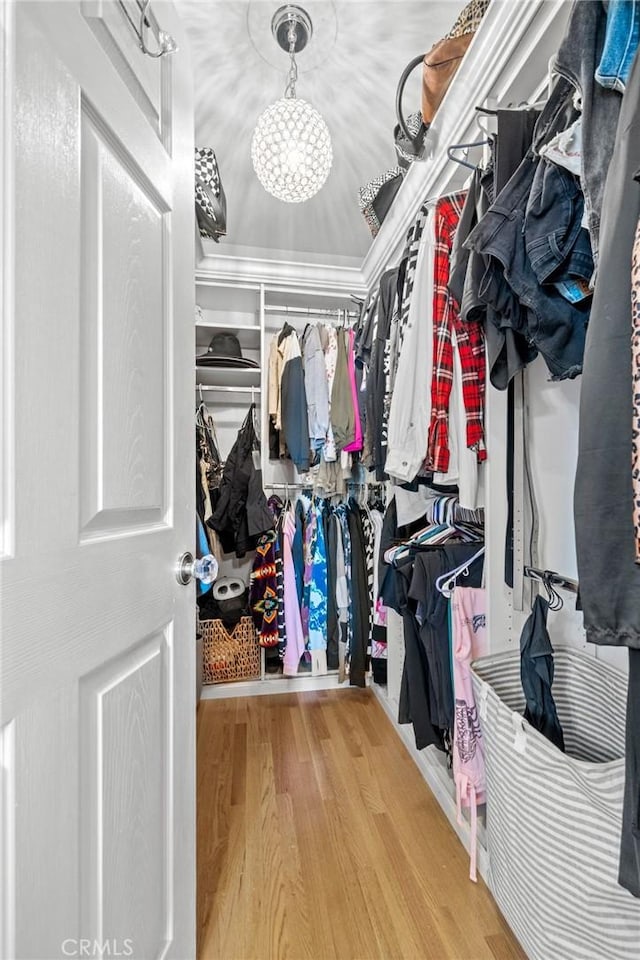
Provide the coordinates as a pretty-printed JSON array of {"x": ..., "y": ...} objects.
[{"x": 229, "y": 656}]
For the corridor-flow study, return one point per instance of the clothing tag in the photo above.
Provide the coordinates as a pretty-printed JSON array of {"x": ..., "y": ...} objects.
[
  {"x": 574, "y": 290},
  {"x": 520, "y": 737},
  {"x": 256, "y": 459}
]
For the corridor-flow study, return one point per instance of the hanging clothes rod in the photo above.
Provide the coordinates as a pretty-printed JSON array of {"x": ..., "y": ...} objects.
[
  {"x": 312, "y": 311},
  {"x": 221, "y": 389},
  {"x": 556, "y": 579},
  {"x": 299, "y": 485}
]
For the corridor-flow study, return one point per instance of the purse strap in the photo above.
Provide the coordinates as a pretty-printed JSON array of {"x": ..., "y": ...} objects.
[
  {"x": 442, "y": 63},
  {"x": 410, "y": 67}
]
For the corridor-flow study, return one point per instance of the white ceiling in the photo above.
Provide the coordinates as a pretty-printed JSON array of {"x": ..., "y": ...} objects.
[{"x": 349, "y": 72}]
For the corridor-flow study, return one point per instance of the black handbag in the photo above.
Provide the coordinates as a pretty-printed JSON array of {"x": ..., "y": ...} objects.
[
  {"x": 408, "y": 134},
  {"x": 211, "y": 203}
]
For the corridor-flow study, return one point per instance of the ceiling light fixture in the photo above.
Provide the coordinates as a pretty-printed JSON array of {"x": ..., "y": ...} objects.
[{"x": 291, "y": 146}]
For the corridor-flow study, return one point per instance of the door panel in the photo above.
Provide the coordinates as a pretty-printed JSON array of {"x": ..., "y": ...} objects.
[
  {"x": 47, "y": 252},
  {"x": 126, "y": 784},
  {"x": 97, "y": 665},
  {"x": 123, "y": 463},
  {"x": 146, "y": 79},
  {"x": 46, "y": 838}
]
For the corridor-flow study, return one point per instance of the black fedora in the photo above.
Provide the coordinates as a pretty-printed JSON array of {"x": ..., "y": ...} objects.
[{"x": 224, "y": 351}]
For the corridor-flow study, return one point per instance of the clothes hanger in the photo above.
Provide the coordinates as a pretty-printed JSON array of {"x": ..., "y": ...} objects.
[
  {"x": 555, "y": 600},
  {"x": 434, "y": 535},
  {"x": 485, "y": 112},
  {"x": 465, "y": 146},
  {"x": 287, "y": 502},
  {"x": 253, "y": 410},
  {"x": 447, "y": 582},
  {"x": 547, "y": 578}
]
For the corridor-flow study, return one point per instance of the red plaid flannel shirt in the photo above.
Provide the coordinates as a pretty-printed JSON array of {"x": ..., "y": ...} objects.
[{"x": 470, "y": 340}]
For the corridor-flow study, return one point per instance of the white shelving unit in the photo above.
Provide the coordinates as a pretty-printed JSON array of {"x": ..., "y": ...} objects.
[{"x": 254, "y": 313}]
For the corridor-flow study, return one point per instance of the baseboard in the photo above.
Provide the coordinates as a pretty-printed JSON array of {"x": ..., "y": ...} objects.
[
  {"x": 430, "y": 763},
  {"x": 270, "y": 686}
]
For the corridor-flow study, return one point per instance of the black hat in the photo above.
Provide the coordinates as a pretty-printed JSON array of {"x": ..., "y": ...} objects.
[{"x": 224, "y": 351}]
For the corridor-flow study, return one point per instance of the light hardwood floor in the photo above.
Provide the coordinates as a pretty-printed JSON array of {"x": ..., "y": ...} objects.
[{"x": 319, "y": 839}]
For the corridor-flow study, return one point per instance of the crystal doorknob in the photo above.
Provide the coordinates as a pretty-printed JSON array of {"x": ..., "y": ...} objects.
[{"x": 204, "y": 569}]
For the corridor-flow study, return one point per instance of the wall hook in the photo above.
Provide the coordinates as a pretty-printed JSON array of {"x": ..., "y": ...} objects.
[{"x": 166, "y": 43}]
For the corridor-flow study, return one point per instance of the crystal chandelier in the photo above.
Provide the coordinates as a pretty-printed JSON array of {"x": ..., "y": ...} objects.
[{"x": 291, "y": 146}]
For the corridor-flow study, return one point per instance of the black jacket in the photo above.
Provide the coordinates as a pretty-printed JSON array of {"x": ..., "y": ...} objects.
[
  {"x": 293, "y": 404},
  {"x": 242, "y": 514}
]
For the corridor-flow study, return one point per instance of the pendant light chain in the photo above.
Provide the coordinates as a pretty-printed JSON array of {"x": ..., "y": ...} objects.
[
  {"x": 292, "y": 78},
  {"x": 291, "y": 146}
]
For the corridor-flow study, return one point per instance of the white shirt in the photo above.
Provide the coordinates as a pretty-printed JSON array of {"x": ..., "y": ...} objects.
[{"x": 410, "y": 412}]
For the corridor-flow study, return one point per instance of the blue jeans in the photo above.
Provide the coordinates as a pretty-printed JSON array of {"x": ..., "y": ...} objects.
[
  {"x": 554, "y": 325},
  {"x": 620, "y": 44},
  {"x": 557, "y": 244}
]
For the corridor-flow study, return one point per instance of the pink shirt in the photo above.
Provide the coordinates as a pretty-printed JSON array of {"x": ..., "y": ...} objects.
[
  {"x": 293, "y": 622},
  {"x": 469, "y": 642}
]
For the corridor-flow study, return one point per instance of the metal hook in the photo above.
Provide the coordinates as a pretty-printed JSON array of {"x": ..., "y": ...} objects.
[
  {"x": 200, "y": 392},
  {"x": 166, "y": 43}
]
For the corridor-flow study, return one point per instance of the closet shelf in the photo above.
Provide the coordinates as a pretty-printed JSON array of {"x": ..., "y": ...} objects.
[
  {"x": 247, "y": 333},
  {"x": 215, "y": 325},
  {"x": 228, "y": 377}
]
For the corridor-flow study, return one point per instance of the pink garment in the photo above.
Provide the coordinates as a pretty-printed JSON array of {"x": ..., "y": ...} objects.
[
  {"x": 293, "y": 623},
  {"x": 469, "y": 642},
  {"x": 351, "y": 367}
]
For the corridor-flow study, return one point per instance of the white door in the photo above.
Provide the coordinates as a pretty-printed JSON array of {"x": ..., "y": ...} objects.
[{"x": 97, "y": 706}]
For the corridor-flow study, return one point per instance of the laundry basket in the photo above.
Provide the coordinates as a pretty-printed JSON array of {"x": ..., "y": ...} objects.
[{"x": 553, "y": 818}]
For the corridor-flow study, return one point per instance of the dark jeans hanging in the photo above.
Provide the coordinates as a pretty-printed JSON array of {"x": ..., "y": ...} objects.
[
  {"x": 609, "y": 575},
  {"x": 359, "y": 599},
  {"x": 415, "y": 705}
]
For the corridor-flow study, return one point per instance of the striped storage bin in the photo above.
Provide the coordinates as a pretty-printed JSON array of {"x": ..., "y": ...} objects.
[{"x": 553, "y": 818}]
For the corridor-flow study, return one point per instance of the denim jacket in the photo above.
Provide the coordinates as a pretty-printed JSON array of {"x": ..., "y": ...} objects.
[{"x": 620, "y": 44}]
